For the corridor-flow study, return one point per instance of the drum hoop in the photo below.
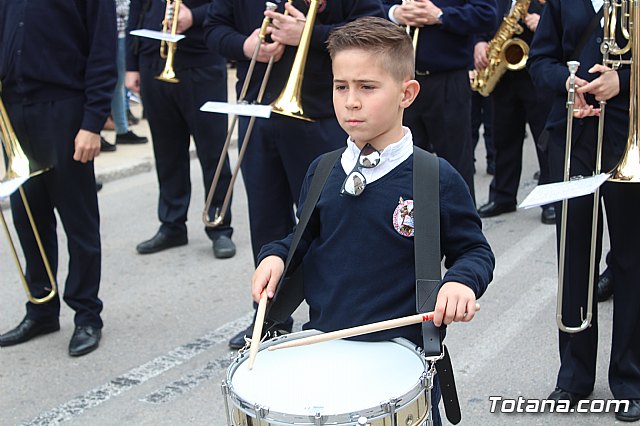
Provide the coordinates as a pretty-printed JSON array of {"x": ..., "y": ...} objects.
[{"x": 373, "y": 413}]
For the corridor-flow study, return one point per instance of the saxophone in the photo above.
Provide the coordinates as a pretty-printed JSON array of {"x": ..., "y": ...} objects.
[{"x": 504, "y": 52}]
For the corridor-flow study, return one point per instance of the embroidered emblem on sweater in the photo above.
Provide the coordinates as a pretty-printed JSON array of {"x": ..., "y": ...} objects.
[{"x": 403, "y": 218}]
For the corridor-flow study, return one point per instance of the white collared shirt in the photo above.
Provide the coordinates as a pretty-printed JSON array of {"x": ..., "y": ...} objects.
[{"x": 390, "y": 157}]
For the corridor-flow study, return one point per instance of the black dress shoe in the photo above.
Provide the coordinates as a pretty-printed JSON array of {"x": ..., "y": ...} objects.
[
  {"x": 605, "y": 286},
  {"x": 563, "y": 395},
  {"x": 132, "y": 119},
  {"x": 223, "y": 247},
  {"x": 492, "y": 209},
  {"x": 130, "y": 138},
  {"x": 106, "y": 146},
  {"x": 28, "y": 329},
  {"x": 632, "y": 414},
  {"x": 161, "y": 242},
  {"x": 548, "y": 215},
  {"x": 85, "y": 339},
  {"x": 238, "y": 341}
]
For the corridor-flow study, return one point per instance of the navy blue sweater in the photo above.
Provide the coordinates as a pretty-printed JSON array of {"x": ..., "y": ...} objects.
[
  {"x": 59, "y": 49},
  {"x": 358, "y": 269},
  {"x": 561, "y": 27},
  {"x": 229, "y": 22},
  {"x": 144, "y": 52},
  {"x": 449, "y": 46}
]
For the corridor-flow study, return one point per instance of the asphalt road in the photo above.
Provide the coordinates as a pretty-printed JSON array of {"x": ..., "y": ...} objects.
[{"x": 168, "y": 317}]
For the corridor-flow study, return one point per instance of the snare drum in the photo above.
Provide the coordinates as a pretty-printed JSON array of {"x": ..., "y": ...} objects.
[{"x": 339, "y": 382}]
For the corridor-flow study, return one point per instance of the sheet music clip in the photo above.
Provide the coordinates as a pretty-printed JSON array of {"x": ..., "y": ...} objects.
[
  {"x": 245, "y": 109},
  {"x": 552, "y": 192},
  {"x": 157, "y": 35},
  {"x": 10, "y": 186}
]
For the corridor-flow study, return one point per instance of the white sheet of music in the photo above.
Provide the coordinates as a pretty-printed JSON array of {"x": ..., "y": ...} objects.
[
  {"x": 158, "y": 35},
  {"x": 9, "y": 187},
  {"x": 552, "y": 192},
  {"x": 250, "y": 110}
]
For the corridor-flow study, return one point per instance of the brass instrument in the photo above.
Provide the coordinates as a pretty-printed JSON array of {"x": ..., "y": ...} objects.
[
  {"x": 221, "y": 211},
  {"x": 416, "y": 32},
  {"x": 289, "y": 103},
  {"x": 168, "y": 48},
  {"x": 17, "y": 168},
  {"x": 628, "y": 168},
  {"x": 505, "y": 52}
]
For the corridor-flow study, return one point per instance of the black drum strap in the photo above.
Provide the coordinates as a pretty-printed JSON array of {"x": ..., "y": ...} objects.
[{"x": 426, "y": 198}]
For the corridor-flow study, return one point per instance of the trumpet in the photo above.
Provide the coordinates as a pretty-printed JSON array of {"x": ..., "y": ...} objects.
[
  {"x": 628, "y": 168},
  {"x": 18, "y": 168},
  {"x": 168, "y": 48},
  {"x": 288, "y": 103}
]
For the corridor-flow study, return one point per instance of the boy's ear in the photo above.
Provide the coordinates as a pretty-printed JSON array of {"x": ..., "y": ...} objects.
[{"x": 410, "y": 90}]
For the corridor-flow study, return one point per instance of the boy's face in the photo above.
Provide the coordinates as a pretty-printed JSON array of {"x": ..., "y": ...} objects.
[{"x": 367, "y": 100}]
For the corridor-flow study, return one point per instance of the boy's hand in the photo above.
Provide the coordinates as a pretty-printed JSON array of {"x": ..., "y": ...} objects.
[
  {"x": 267, "y": 275},
  {"x": 456, "y": 302}
]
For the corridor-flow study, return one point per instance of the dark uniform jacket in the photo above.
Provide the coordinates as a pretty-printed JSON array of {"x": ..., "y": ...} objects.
[
  {"x": 449, "y": 46},
  {"x": 229, "y": 22},
  {"x": 559, "y": 31},
  {"x": 52, "y": 50},
  {"x": 145, "y": 52}
]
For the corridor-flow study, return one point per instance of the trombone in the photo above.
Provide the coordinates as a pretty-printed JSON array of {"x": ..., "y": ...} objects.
[
  {"x": 17, "y": 168},
  {"x": 288, "y": 104},
  {"x": 416, "y": 33},
  {"x": 168, "y": 48},
  {"x": 628, "y": 168}
]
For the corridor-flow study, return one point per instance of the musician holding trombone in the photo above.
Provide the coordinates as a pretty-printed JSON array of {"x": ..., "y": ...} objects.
[
  {"x": 281, "y": 147},
  {"x": 58, "y": 73},
  {"x": 440, "y": 118},
  {"x": 174, "y": 116},
  {"x": 564, "y": 23}
]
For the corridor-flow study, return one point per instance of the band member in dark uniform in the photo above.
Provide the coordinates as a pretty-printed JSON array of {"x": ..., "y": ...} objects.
[
  {"x": 173, "y": 112},
  {"x": 515, "y": 103},
  {"x": 440, "y": 118},
  {"x": 563, "y": 24},
  {"x": 57, "y": 84},
  {"x": 281, "y": 148}
]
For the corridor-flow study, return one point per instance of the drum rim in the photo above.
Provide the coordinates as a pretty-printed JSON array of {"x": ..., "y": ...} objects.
[{"x": 371, "y": 413}]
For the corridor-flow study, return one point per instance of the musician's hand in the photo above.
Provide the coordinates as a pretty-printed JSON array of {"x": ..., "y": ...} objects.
[
  {"x": 531, "y": 21},
  {"x": 417, "y": 13},
  {"x": 582, "y": 109},
  {"x": 185, "y": 19},
  {"x": 267, "y": 275},
  {"x": 604, "y": 87},
  {"x": 286, "y": 29},
  {"x": 455, "y": 302},
  {"x": 132, "y": 81},
  {"x": 266, "y": 50},
  {"x": 480, "y": 59},
  {"x": 87, "y": 146}
]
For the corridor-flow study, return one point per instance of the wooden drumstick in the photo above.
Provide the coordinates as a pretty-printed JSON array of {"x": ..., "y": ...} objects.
[
  {"x": 359, "y": 330},
  {"x": 257, "y": 329}
]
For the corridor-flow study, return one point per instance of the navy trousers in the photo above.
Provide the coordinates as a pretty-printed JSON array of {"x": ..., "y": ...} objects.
[
  {"x": 47, "y": 132},
  {"x": 578, "y": 351},
  {"x": 275, "y": 164},
  {"x": 174, "y": 115},
  {"x": 440, "y": 120}
]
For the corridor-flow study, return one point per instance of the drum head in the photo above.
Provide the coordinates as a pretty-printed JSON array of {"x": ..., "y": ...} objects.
[{"x": 332, "y": 377}]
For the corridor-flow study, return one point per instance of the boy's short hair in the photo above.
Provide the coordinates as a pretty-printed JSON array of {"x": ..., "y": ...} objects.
[{"x": 386, "y": 40}]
